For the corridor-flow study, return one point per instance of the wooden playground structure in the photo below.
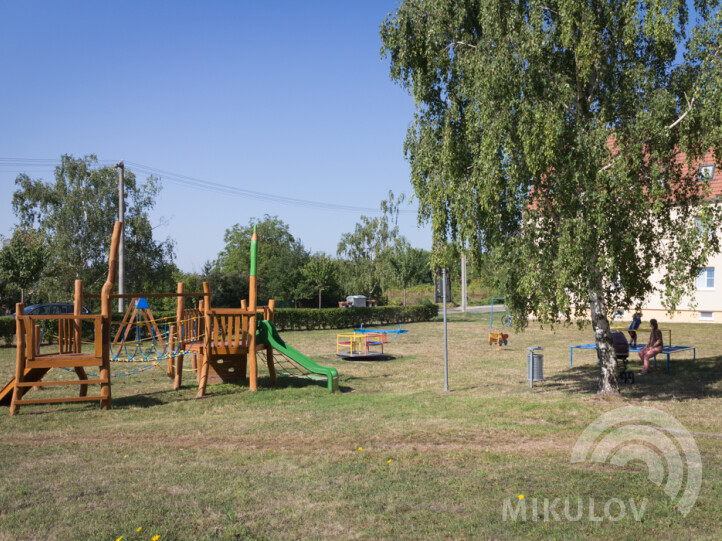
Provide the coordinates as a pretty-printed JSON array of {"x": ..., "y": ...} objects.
[{"x": 222, "y": 341}]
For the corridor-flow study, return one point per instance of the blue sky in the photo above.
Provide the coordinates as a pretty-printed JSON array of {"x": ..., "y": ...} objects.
[{"x": 280, "y": 97}]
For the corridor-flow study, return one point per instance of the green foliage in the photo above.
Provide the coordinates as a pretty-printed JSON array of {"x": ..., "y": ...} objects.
[
  {"x": 227, "y": 288},
  {"x": 280, "y": 260},
  {"x": 366, "y": 249},
  {"x": 320, "y": 273},
  {"x": 76, "y": 214},
  {"x": 344, "y": 318},
  {"x": 23, "y": 259},
  {"x": 408, "y": 265},
  {"x": 7, "y": 329},
  {"x": 330, "y": 318},
  {"x": 549, "y": 135}
]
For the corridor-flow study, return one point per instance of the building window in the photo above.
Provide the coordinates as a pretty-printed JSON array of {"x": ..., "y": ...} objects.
[
  {"x": 705, "y": 280},
  {"x": 706, "y": 173},
  {"x": 706, "y": 316}
]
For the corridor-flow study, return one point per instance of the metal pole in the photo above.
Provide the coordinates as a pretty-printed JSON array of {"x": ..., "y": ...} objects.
[
  {"x": 530, "y": 365},
  {"x": 446, "y": 348},
  {"x": 121, "y": 248},
  {"x": 463, "y": 283}
]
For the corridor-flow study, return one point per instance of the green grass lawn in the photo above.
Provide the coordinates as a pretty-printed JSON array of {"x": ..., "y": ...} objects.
[{"x": 391, "y": 456}]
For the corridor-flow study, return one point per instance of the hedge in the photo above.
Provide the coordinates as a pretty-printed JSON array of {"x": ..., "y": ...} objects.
[
  {"x": 297, "y": 318},
  {"x": 7, "y": 329},
  {"x": 343, "y": 318},
  {"x": 340, "y": 318}
]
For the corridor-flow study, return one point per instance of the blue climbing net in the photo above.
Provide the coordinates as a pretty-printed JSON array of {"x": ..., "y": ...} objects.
[{"x": 153, "y": 348}]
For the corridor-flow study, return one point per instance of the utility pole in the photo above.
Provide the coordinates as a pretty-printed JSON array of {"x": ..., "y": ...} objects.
[
  {"x": 120, "y": 166},
  {"x": 446, "y": 347},
  {"x": 463, "y": 283}
]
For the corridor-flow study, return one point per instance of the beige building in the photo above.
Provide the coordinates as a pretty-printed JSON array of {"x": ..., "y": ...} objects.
[{"x": 706, "y": 305}]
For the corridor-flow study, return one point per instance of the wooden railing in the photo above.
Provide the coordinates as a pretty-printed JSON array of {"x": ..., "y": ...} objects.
[{"x": 69, "y": 335}]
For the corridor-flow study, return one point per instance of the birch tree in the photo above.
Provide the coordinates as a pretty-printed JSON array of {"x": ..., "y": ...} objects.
[{"x": 563, "y": 139}]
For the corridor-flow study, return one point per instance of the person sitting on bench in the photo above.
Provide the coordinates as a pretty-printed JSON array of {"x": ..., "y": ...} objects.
[{"x": 653, "y": 347}]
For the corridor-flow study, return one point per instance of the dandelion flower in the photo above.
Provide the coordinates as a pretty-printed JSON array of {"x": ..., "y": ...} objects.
[
  {"x": 521, "y": 496},
  {"x": 389, "y": 460},
  {"x": 155, "y": 537},
  {"x": 360, "y": 448},
  {"x": 121, "y": 537},
  {"x": 139, "y": 528}
]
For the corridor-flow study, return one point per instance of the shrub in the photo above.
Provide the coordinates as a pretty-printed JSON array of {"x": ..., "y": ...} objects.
[
  {"x": 341, "y": 318},
  {"x": 7, "y": 329},
  {"x": 338, "y": 318}
]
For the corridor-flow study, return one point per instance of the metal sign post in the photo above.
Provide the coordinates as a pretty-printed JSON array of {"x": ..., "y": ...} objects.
[{"x": 446, "y": 349}]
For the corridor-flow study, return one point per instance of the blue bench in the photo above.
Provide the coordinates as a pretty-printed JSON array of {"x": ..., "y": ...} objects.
[{"x": 667, "y": 350}]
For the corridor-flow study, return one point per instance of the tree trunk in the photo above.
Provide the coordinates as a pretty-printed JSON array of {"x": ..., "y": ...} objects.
[
  {"x": 319, "y": 299},
  {"x": 404, "y": 297},
  {"x": 608, "y": 383}
]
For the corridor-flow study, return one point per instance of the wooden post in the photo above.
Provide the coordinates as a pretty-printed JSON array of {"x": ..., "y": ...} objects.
[
  {"x": 77, "y": 311},
  {"x": 252, "y": 360},
  {"x": 205, "y": 366},
  {"x": 170, "y": 367},
  {"x": 106, "y": 312},
  {"x": 197, "y": 336},
  {"x": 19, "y": 356},
  {"x": 35, "y": 347},
  {"x": 244, "y": 339},
  {"x": 180, "y": 344},
  {"x": 36, "y": 338},
  {"x": 121, "y": 247},
  {"x": 269, "y": 350},
  {"x": 78, "y": 329},
  {"x": 127, "y": 322}
]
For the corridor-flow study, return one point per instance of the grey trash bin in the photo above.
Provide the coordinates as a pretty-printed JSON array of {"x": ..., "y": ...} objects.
[{"x": 534, "y": 365}]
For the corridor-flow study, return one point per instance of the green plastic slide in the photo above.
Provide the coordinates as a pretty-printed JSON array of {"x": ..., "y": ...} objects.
[{"x": 268, "y": 335}]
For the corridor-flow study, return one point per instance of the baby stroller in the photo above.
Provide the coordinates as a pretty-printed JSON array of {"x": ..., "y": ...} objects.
[{"x": 621, "y": 348}]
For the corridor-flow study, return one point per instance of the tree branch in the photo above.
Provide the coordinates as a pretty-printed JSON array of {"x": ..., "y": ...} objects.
[
  {"x": 690, "y": 105},
  {"x": 459, "y": 42}
]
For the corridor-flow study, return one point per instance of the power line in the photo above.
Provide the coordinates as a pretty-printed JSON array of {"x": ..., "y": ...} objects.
[
  {"x": 204, "y": 185},
  {"x": 225, "y": 189}
]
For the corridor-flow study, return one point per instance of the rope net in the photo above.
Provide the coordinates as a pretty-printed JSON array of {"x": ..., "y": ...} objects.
[
  {"x": 285, "y": 366},
  {"x": 149, "y": 349}
]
